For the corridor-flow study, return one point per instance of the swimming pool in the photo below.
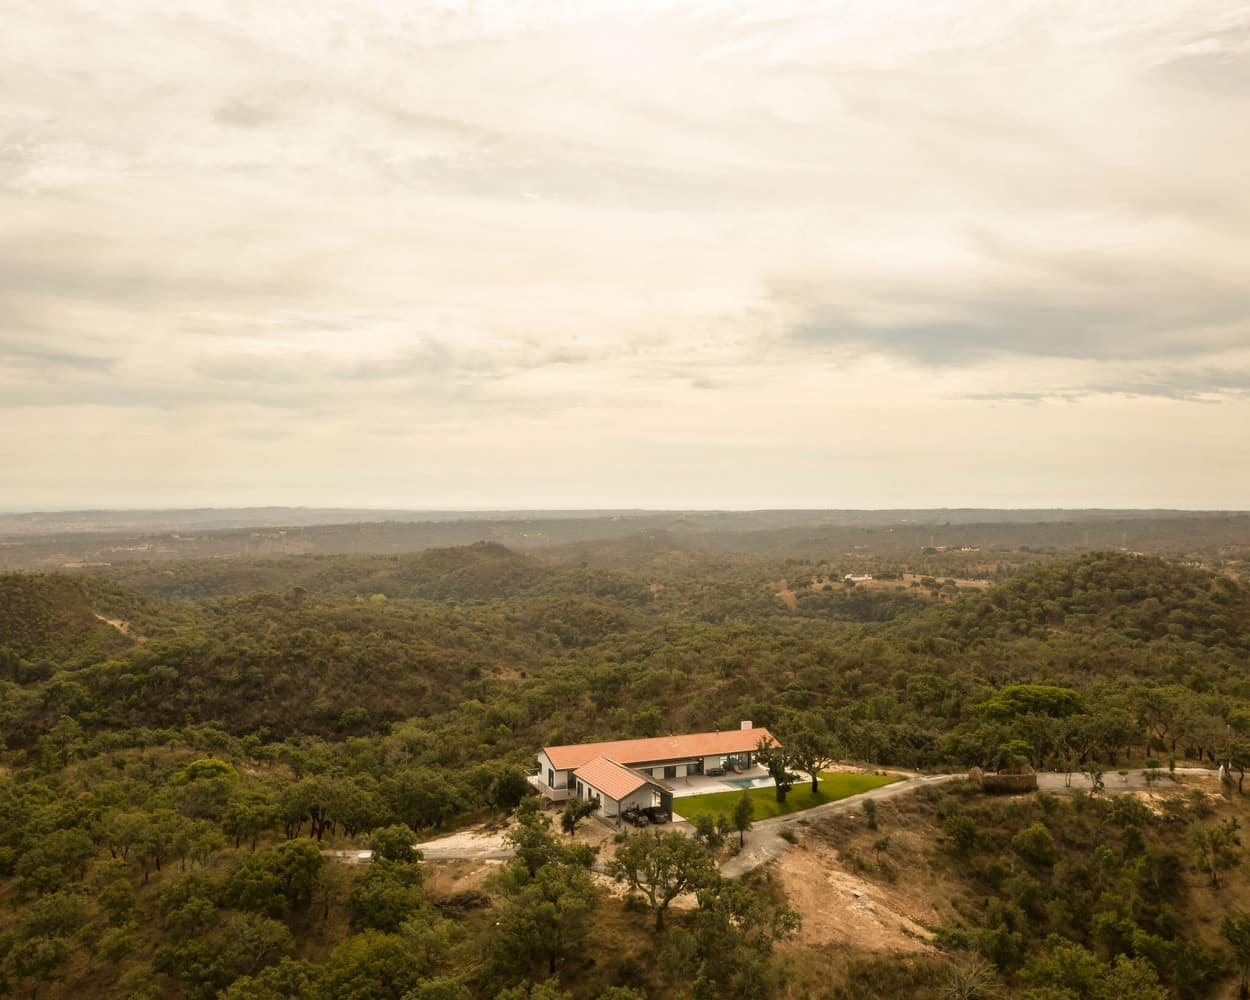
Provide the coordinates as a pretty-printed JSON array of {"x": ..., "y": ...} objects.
[{"x": 748, "y": 782}]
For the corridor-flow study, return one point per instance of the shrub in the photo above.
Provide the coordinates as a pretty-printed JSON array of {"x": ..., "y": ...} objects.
[{"x": 1034, "y": 843}]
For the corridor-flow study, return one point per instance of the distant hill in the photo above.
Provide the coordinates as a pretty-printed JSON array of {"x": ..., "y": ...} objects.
[
  {"x": 478, "y": 572},
  {"x": 92, "y": 540},
  {"x": 1142, "y": 598},
  {"x": 64, "y": 618}
]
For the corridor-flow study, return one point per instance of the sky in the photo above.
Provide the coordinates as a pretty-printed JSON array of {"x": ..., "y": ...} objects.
[{"x": 499, "y": 254}]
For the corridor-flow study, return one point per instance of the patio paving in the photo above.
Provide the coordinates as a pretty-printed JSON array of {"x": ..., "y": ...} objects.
[{"x": 702, "y": 784}]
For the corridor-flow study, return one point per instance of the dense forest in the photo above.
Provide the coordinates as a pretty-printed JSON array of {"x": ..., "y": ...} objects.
[{"x": 183, "y": 740}]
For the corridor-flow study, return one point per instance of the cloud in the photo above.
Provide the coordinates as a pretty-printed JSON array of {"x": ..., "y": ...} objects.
[
  {"x": 1199, "y": 385},
  {"x": 42, "y": 360},
  {"x": 980, "y": 329},
  {"x": 243, "y": 113},
  {"x": 521, "y": 228}
]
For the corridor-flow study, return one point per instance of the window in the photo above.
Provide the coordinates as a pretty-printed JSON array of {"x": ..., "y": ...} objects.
[
  {"x": 551, "y": 778},
  {"x": 670, "y": 771},
  {"x": 692, "y": 769}
]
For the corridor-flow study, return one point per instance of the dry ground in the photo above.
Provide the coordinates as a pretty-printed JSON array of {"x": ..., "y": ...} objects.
[
  {"x": 122, "y": 626},
  {"x": 851, "y": 895}
]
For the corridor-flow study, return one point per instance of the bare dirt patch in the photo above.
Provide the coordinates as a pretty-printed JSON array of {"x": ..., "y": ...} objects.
[
  {"x": 788, "y": 597},
  {"x": 468, "y": 844},
  {"x": 449, "y": 879},
  {"x": 122, "y": 626},
  {"x": 838, "y": 906}
]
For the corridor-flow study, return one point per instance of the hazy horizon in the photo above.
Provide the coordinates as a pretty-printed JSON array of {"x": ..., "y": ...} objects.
[
  {"x": 723, "y": 255},
  {"x": 518, "y": 512}
]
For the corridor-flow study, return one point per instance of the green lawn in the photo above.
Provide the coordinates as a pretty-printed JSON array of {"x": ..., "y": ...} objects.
[{"x": 833, "y": 786}]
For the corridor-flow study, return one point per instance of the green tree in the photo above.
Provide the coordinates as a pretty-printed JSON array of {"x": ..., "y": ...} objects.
[
  {"x": 736, "y": 930},
  {"x": 54, "y": 858},
  {"x": 64, "y": 741},
  {"x": 251, "y": 942},
  {"x": 1216, "y": 848},
  {"x": 439, "y": 988},
  {"x": 744, "y": 812},
  {"x": 249, "y": 813},
  {"x": 395, "y": 843},
  {"x": 121, "y": 830},
  {"x": 1130, "y": 979},
  {"x": 386, "y": 895},
  {"x": 576, "y": 810},
  {"x": 545, "y": 916},
  {"x": 870, "y": 813},
  {"x": 961, "y": 830},
  {"x": 661, "y": 867},
  {"x": 812, "y": 750},
  {"x": 507, "y": 789},
  {"x": 534, "y": 991},
  {"x": 1236, "y": 930},
  {"x": 1035, "y": 843},
  {"x": 277, "y": 880},
  {"x": 315, "y": 800},
  {"x": 371, "y": 965},
  {"x": 706, "y": 833},
  {"x": 39, "y": 960},
  {"x": 166, "y": 829},
  {"x": 536, "y": 845},
  {"x": 780, "y": 764},
  {"x": 289, "y": 979}
]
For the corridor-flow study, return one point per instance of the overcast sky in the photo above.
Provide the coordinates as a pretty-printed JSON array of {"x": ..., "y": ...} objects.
[{"x": 501, "y": 254}]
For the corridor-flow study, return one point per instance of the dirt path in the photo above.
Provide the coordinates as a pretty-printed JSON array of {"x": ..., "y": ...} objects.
[
  {"x": 467, "y": 845},
  {"x": 764, "y": 842},
  {"x": 1114, "y": 782},
  {"x": 122, "y": 626}
]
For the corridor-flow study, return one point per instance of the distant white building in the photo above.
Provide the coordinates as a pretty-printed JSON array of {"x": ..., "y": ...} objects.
[{"x": 852, "y": 578}]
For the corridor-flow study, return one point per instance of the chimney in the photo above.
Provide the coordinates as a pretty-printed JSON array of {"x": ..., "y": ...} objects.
[{"x": 746, "y": 723}]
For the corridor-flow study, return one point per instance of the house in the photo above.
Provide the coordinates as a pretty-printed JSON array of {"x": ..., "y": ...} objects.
[
  {"x": 853, "y": 578},
  {"x": 617, "y": 788},
  {"x": 620, "y": 773}
]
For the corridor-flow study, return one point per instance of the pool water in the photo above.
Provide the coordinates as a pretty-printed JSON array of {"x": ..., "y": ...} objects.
[{"x": 749, "y": 782}]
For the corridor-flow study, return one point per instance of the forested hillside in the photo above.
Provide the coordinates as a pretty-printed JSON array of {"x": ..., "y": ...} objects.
[{"x": 173, "y": 733}]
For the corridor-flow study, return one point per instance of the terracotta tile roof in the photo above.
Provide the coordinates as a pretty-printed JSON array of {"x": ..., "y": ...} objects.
[
  {"x": 610, "y": 778},
  {"x": 658, "y": 749}
]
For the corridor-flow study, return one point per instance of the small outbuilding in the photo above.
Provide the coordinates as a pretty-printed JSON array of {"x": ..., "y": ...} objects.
[{"x": 617, "y": 788}]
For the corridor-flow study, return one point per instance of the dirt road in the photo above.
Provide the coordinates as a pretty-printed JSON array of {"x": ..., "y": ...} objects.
[{"x": 765, "y": 842}]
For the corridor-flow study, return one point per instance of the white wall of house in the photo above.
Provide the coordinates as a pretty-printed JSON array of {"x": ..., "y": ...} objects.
[
  {"x": 610, "y": 808},
  {"x": 644, "y": 798},
  {"x": 550, "y": 777}
]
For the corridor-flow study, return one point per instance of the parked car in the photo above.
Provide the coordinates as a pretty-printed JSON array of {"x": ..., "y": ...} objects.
[
  {"x": 635, "y": 817},
  {"x": 657, "y": 815}
]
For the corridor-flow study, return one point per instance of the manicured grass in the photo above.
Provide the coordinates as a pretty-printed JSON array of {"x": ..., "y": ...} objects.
[{"x": 833, "y": 786}]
